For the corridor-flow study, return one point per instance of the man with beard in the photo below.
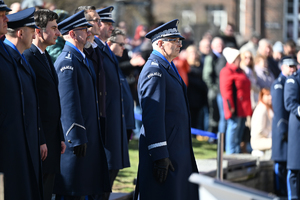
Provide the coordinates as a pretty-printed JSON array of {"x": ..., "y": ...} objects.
[
  {"x": 19, "y": 129},
  {"x": 52, "y": 144},
  {"x": 83, "y": 164}
]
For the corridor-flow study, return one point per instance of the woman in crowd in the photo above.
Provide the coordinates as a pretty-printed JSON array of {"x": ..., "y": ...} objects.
[
  {"x": 235, "y": 91},
  {"x": 261, "y": 124}
]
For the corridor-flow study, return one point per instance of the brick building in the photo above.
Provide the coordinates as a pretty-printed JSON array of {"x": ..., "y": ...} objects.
[{"x": 273, "y": 19}]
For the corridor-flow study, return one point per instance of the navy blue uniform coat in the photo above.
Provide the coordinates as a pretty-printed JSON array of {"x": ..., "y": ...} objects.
[
  {"x": 80, "y": 121},
  {"x": 280, "y": 120},
  {"x": 19, "y": 128},
  {"x": 47, "y": 87},
  {"x": 166, "y": 132},
  {"x": 115, "y": 141},
  {"x": 292, "y": 104}
]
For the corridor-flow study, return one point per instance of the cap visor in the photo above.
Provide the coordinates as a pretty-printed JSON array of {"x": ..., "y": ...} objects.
[
  {"x": 5, "y": 9},
  {"x": 176, "y": 36}
]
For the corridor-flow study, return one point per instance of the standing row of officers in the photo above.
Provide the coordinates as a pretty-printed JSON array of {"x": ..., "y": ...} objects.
[
  {"x": 63, "y": 125},
  {"x": 285, "y": 92}
]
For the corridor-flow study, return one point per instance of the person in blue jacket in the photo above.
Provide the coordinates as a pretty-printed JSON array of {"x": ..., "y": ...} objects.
[
  {"x": 20, "y": 160},
  {"x": 83, "y": 165},
  {"x": 292, "y": 105},
  {"x": 115, "y": 136},
  {"x": 166, "y": 158},
  {"x": 280, "y": 126}
]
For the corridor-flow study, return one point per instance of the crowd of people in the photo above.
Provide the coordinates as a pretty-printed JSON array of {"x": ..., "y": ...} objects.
[{"x": 72, "y": 84}]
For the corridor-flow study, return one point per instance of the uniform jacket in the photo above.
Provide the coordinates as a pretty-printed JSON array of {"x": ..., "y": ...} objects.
[
  {"x": 280, "y": 120},
  {"x": 235, "y": 90},
  {"x": 115, "y": 141},
  {"x": 47, "y": 87},
  {"x": 81, "y": 124},
  {"x": 19, "y": 128},
  {"x": 292, "y": 105},
  {"x": 166, "y": 132}
]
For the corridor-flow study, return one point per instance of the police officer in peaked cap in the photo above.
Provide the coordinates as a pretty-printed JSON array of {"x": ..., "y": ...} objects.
[
  {"x": 280, "y": 125},
  {"x": 165, "y": 149}
]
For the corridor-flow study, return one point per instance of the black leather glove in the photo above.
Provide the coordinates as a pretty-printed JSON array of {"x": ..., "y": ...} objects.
[
  {"x": 160, "y": 169},
  {"x": 285, "y": 137},
  {"x": 80, "y": 150}
]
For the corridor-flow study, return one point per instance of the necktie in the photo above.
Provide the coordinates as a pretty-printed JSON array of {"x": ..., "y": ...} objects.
[{"x": 46, "y": 60}]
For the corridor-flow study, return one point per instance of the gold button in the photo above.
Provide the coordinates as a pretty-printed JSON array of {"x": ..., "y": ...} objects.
[
  {"x": 122, "y": 115},
  {"x": 100, "y": 93},
  {"x": 121, "y": 99},
  {"x": 69, "y": 141}
]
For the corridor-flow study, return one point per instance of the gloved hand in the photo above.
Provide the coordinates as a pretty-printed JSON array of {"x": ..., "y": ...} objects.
[
  {"x": 160, "y": 169},
  {"x": 80, "y": 150},
  {"x": 285, "y": 137}
]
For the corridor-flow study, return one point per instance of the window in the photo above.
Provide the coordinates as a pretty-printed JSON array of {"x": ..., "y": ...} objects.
[
  {"x": 217, "y": 15},
  {"x": 291, "y": 20}
]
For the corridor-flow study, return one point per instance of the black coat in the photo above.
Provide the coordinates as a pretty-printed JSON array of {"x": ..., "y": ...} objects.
[
  {"x": 115, "y": 141},
  {"x": 47, "y": 87}
]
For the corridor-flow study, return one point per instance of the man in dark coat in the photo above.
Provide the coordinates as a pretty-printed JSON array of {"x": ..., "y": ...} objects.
[
  {"x": 166, "y": 158},
  {"x": 280, "y": 125},
  {"x": 292, "y": 105},
  {"x": 115, "y": 138},
  {"x": 83, "y": 165},
  {"x": 116, "y": 43},
  {"x": 47, "y": 87},
  {"x": 19, "y": 111}
]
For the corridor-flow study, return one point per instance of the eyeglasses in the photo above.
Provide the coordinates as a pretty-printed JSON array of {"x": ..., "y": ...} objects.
[
  {"x": 81, "y": 29},
  {"x": 119, "y": 43},
  {"x": 98, "y": 21},
  {"x": 173, "y": 40}
]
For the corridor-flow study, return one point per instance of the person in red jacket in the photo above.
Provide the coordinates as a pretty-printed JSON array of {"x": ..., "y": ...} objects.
[{"x": 235, "y": 91}]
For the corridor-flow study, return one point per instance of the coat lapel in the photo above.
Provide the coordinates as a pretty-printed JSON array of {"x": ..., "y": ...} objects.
[{"x": 38, "y": 55}]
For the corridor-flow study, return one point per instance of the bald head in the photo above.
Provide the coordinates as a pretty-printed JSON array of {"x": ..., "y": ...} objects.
[
  {"x": 217, "y": 44},
  {"x": 204, "y": 46}
]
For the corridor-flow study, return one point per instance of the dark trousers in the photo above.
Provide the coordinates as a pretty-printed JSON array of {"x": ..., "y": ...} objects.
[
  {"x": 280, "y": 175},
  {"x": 293, "y": 184},
  {"x": 48, "y": 183},
  {"x": 214, "y": 115},
  {"x": 66, "y": 197},
  {"x": 112, "y": 176}
]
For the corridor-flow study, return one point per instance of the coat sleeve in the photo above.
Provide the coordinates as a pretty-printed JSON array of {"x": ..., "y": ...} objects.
[
  {"x": 152, "y": 91},
  {"x": 291, "y": 96},
  {"x": 207, "y": 71},
  {"x": 226, "y": 89},
  {"x": 71, "y": 117},
  {"x": 277, "y": 91}
]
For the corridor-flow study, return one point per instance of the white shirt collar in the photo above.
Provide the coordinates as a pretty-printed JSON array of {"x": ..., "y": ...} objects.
[
  {"x": 42, "y": 52},
  {"x": 94, "y": 45}
]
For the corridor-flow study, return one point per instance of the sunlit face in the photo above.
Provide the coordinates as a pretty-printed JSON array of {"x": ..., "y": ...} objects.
[
  {"x": 247, "y": 58},
  {"x": 267, "y": 99},
  {"x": 204, "y": 46},
  {"x": 50, "y": 33},
  {"x": 28, "y": 34},
  {"x": 288, "y": 70},
  {"x": 3, "y": 23},
  {"x": 265, "y": 50},
  {"x": 118, "y": 46},
  {"x": 171, "y": 49},
  {"x": 106, "y": 30},
  {"x": 94, "y": 19},
  {"x": 81, "y": 35}
]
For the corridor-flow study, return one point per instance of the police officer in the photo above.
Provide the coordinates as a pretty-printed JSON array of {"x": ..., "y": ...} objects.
[
  {"x": 165, "y": 149},
  {"x": 19, "y": 130},
  {"x": 292, "y": 105},
  {"x": 83, "y": 164},
  {"x": 115, "y": 137},
  {"x": 280, "y": 125}
]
